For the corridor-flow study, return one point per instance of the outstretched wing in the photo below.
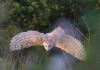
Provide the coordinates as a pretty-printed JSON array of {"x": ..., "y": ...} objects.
[
  {"x": 73, "y": 46},
  {"x": 68, "y": 37},
  {"x": 26, "y": 39}
]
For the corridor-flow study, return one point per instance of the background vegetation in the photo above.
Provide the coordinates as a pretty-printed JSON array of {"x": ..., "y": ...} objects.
[{"x": 22, "y": 15}]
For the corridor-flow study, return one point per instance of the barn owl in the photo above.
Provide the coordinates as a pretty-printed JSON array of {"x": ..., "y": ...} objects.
[{"x": 58, "y": 37}]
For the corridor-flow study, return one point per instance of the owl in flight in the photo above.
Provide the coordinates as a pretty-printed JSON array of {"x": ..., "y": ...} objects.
[{"x": 64, "y": 36}]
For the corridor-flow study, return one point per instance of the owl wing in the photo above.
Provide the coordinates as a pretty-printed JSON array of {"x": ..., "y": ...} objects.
[
  {"x": 74, "y": 47},
  {"x": 68, "y": 43},
  {"x": 26, "y": 39}
]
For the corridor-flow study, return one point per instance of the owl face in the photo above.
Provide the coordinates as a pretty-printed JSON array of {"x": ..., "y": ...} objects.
[{"x": 48, "y": 43}]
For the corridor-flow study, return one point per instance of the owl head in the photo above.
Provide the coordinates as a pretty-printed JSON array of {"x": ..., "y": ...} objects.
[{"x": 48, "y": 42}]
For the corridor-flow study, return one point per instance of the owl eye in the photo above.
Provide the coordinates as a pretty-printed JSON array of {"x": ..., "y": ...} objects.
[
  {"x": 46, "y": 46},
  {"x": 49, "y": 45}
]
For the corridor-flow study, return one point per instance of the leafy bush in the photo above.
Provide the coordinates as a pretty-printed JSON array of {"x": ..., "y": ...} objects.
[{"x": 41, "y": 14}]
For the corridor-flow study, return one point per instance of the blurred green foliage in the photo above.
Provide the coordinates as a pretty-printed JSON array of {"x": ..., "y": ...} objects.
[{"x": 41, "y": 14}]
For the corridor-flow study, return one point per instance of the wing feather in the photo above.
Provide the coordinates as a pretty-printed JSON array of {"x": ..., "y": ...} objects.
[
  {"x": 68, "y": 43},
  {"x": 26, "y": 39}
]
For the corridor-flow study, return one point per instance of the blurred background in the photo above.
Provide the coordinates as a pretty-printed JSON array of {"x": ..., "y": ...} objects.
[{"x": 22, "y": 15}]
